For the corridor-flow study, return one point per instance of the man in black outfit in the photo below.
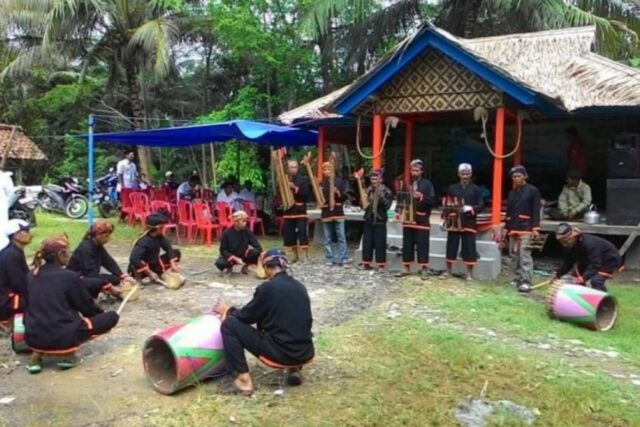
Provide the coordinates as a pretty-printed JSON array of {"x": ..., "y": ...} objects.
[
  {"x": 415, "y": 233},
  {"x": 281, "y": 309},
  {"x": 238, "y": 245},
  {"x": 294, "y": 231},
  {"x": 14, "y": 271},
  {"x": 374, "y": 236},
  {"x": 145, "y": 259},
  {"x": 594, "y": 258},
  {"x": 91, "y": 256},
  {"x": 460, "y": 220}
]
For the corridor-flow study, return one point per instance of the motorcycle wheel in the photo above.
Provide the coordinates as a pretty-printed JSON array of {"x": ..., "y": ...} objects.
[
  {"x": 76, "y": 207},
  {"x": 106, "y": 209}
]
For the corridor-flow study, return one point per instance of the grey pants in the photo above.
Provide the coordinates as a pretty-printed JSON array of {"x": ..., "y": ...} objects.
[{"x": 521, "y": 252}]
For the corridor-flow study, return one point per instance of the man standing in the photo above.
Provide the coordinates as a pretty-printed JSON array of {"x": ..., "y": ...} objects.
[
  {"x": 374, "y": 237},
  {"x": 594, "y": 258},
  {"x": 281, "y": 310},
  {"x": 14, "y": 270},
  {"x": 6, "y": 191},
  {"x": 127, "y": 173},
  {"x": 333, "y": 217},
  {"x": 238, "y": 245},
  {"x": 575, "y": 199},
  {"x": 523, "y": 225},
  {"x": 417, "y": 204},
  {"x": 466, "y": 200},
  {"x": 295, "y": 218}
]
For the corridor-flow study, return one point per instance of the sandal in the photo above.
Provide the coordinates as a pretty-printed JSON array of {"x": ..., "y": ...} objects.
[
  {"x": 34, "y": 369},
  {"x": 524, "y": 287},
  {"x": 444, "y": 276},
  {"x": 294, "y": 378},
  {"x": 69, "y": 363}
]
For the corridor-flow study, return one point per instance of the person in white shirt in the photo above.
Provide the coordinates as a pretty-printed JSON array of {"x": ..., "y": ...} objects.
[
  {"x": 228, "y": 196},
  {"x": 6, "y": 191},
  {"x": 190, "y": 190},
  {"x": 127, "y": 172},
  {"x": 247, "y": 193}
]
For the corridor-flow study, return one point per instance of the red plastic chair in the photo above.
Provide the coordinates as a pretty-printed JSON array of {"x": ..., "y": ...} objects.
[
  {"x": 204, "y": 221},
  {"x": 159, "y": 206},
  {"x": 141, "y": 209},
  {"x": 125, "y": 203},
  {"x": 224, "y": 215},
  {"x": 159, "y": 194},
  {"x": 252, "y": 210},
  {"x": 185, "y": 218}
]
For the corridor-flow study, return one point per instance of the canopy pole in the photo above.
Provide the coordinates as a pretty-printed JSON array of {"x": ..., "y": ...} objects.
[
  {"x": 498, "y": 168},
  {"x": 238, "y": 162},
  {"x": 322, "y": 134},
  {"x": 213, "y": 167},
  {"x": 408, "y": 150},
  {"x": 90, "y": 141},
  {"x": 378, "y": 129}
]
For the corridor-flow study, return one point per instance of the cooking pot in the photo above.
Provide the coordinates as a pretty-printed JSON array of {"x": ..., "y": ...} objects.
[{"x": 592, "y": 216}]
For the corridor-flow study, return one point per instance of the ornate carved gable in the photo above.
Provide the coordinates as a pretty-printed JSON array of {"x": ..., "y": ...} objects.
[{"x": 434, "y": 82}]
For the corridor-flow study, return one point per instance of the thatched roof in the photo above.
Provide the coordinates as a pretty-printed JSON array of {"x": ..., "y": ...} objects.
[
  {"x": 20, "y": 147},
  {"x": 313, "y": 110},
  {"x": 557, "y": 64}
]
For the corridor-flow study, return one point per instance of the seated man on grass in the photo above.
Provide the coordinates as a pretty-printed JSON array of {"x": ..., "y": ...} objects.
[
  {"x": 592, "y": 259},
  {"x": 238, "y": 246},
  {"x": 145, "y": 259},
  {"x": 281, "y": 310},
  {"x": 61, "y": 314}
]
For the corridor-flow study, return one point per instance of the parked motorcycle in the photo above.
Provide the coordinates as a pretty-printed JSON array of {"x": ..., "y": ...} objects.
[
  {"x": 23, "y": 206},
  {"x": 105, "y": 196},
  {"x": 67, "y": 198}
]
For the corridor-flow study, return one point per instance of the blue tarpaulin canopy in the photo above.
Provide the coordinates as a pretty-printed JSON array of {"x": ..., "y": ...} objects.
[{"x": 261, "y": 133}]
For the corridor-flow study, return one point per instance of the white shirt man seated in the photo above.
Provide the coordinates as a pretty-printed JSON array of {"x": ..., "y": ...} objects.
[
  {"x": 229, "y": 196},
  {"x": 247, "y": 193}
]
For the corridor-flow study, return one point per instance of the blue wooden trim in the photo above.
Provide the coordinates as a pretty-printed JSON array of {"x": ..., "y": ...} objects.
[{"x": 429, "y": 38}]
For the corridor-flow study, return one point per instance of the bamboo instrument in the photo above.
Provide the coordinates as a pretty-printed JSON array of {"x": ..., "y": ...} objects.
[
  {"x": 460, "y": 212},
  {"x": 282, "y": 180},
  {"x": 332, "y": 182},
  {"x": 317, "y": 191},
  {"x": 374, "y": 203},
  {"x": 409, "y": 209},
  {"x": 364, "y": 199}
]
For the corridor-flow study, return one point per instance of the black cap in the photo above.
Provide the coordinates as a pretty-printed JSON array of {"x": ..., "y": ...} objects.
[{"x": 156, "y": 219}]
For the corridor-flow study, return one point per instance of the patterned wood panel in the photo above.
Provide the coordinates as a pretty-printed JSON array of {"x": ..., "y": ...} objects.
[{"x": 433, "y": 82}]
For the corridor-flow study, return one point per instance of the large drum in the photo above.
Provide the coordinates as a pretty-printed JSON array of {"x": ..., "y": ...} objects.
[
  {"x": 583, "y": 306},
  {"x": 183, "y": 355}
]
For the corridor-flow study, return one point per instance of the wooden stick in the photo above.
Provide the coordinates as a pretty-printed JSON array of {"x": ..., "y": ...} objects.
[
  {"x": 540, "y": 285},
  {"x": 129, "y": 295}
]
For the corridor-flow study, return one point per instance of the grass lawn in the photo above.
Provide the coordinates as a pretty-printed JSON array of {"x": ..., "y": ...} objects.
[{"x": 403, "y": 372}]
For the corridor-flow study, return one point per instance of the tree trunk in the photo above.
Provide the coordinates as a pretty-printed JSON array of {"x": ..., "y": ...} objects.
[
  {"x": 137, "y": 114},
  {"x": 472, "y": 9},
  {"x": 325, "y": 43}
]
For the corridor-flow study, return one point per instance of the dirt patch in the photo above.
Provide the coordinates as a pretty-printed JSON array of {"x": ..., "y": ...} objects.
[{"x": 110, "y": 388}]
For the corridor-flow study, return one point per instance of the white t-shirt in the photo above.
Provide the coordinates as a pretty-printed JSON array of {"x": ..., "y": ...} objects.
[
  {"x": 129, "y": 173},
  {"x": 247, "y": 195},
  {"x": 231, "y": 200},
  {"x": 6, "y": 191}
]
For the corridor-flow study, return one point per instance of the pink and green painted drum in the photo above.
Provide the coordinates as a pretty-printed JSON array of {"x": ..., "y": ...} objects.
[
  {"x": 183, "y": 355},
  {"x": 583, "y": 306},
  {"x": 18, "y": 342}
]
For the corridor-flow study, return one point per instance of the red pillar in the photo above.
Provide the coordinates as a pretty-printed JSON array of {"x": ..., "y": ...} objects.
[
  {"x": 408, "y": 150},
  {"x": 378, "y": 131},
  {"x": 322, "y": 134},
  {"x": 498, "y": 168}
]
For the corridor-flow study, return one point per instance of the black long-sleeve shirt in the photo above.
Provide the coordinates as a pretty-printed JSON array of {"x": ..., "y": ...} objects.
[
  {"x": 89, "y": 257},
  {"x": 337, "y": 213},
  {"x": 384, "y": 203},
  {"x": 57, "y": 304},
  {"x": 281, "y": 309},
  {"x": 300, "y": 196},
  {"x": 237, "y": 242},
  {"x": 523, "y": 210},
  {"x": 468, "y": 195},
  {"x": 591, "y": 254},
  {"x": 146, "y": 253},
  {"x": 424, "y": 198},
  {"x": 14, "y": 272}
]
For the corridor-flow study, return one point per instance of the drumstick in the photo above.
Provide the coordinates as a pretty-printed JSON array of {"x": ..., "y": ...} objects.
[
  {"x": 540, "y": 285},
  {"x": 129, "y": 295},
  {"x": 162, "y": 282}
]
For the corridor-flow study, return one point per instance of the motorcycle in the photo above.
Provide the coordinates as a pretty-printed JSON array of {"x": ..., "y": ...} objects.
[
  {"x": 67, "y": 198},
  {"x": 105, "y": 196},
  {"x": 23, "y": 206}
]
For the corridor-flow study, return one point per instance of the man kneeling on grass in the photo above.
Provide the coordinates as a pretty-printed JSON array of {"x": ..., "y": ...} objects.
[
  {"x": 145, "y": 259},
  {"x": 238, "y": 246},
  {"x": 281, "y": 309},
  {"x": 61, "y": 314}
]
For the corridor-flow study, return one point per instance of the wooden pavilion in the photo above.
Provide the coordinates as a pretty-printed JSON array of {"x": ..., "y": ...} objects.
[{"x": 506, "y": 82}]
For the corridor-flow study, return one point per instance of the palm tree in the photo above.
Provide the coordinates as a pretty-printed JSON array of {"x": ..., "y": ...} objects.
[
  {"x": 130, "y": 37},
  {"x": 617, "y": 21}
]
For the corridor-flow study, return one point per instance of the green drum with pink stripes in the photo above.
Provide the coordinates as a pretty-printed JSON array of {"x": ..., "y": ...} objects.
[{"x": 184, "y": 355}]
